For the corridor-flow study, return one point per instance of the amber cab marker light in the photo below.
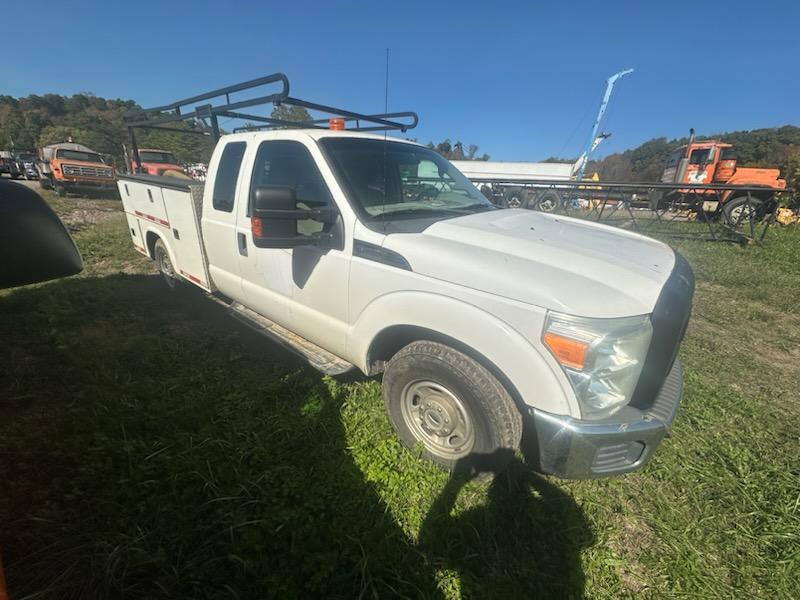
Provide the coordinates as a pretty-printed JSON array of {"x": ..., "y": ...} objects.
[
  {"x": 570, "y": 353},
  {"x": 336, "y": 124}
]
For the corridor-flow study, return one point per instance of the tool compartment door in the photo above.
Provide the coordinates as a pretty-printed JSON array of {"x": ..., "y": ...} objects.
[{"x": 186, "y": 241}]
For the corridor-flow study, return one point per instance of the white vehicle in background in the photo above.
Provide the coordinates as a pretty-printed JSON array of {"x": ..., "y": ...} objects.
[
  {"x": 358, "y": 251},
  {"x": 524, "y": 184}
]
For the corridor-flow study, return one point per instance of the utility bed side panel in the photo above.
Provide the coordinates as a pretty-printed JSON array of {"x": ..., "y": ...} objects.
[
  {"x": 186, "y": 238},
  {"x": 167, "y": 208}
]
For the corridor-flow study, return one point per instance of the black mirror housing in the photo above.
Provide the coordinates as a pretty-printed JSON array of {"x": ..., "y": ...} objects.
[
  {"x": 274, "y": 218},
  {"x": 34, "y": 244}
]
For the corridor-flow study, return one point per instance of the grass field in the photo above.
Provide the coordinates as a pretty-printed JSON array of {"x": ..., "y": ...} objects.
[{"x": 150, "y": 447}]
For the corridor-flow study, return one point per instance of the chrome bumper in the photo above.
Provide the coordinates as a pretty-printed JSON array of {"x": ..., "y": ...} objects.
[{"x": 576, "y": 449}]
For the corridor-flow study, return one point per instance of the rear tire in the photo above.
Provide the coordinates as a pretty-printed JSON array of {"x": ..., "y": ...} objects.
[
  {"x": 515, "y": 198},
  {"x": 164, "y": 263},
  {"x": 453, "y": 407}
]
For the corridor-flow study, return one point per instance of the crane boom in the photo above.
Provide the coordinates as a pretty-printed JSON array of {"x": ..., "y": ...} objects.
[{"x": 591, "y": 145}]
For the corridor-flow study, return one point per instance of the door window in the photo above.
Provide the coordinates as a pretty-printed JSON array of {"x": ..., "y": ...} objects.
[
  {"x": 290, "y": 164},
  {"x": 227, "y": 174}
]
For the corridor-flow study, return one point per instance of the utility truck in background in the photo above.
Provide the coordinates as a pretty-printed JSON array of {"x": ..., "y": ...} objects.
[
  {"x": 70, "y": 167},
  {"x": 358, "y": 251},
  {"x": 157, "y": 162}
]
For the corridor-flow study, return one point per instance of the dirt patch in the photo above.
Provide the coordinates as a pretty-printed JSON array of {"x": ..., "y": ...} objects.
[{"x": 81, "y": 218}]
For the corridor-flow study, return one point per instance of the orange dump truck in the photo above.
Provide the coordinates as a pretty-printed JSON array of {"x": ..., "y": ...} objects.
[
  {"x": 71, "y": 167},
  {"x": 714, "y": 162}
]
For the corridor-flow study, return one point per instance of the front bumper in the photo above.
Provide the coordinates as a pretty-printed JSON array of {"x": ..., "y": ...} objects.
[
  {"x": 576, "y": 449},
  {"x": 87, "y": 185}
]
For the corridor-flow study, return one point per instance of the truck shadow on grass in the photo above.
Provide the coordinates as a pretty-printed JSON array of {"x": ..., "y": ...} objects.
[{"x": 153, "y": 447}]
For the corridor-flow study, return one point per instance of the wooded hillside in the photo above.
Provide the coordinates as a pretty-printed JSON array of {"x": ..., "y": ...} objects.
[{"x": 34, "y": 121}]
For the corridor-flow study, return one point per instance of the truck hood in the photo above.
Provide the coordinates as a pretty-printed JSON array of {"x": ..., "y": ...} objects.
[{"x": 555, "y": 262}]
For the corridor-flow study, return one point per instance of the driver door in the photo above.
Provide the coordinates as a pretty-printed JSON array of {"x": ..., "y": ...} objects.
[{"x": 304, "y": 288}]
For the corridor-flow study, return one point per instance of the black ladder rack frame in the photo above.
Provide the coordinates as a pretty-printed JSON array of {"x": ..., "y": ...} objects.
[{"x": 160, "y": 117}]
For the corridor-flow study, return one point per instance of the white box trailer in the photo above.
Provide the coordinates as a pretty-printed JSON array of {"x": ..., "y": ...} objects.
[
  {"x": 511, "y": 172},
  {"x": 510, "y": 184}
]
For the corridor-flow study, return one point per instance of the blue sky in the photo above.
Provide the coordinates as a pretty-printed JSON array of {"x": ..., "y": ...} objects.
[{"x": 523, "y": 80}]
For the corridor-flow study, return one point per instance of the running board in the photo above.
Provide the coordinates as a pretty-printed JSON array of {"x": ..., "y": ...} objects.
[{"x": 317, "y": 357}]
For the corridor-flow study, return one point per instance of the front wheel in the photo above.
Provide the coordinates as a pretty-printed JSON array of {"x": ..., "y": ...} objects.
[
  {"x": 741, "y": 211},
  {"x": 451, "y": 406}
]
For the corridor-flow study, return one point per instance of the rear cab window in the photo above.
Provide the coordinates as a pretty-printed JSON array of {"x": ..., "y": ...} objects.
[{"x": 227, "y": 174}]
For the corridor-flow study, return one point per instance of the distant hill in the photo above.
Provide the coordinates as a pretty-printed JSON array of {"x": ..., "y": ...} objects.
[{"x": 774, "y": 147}]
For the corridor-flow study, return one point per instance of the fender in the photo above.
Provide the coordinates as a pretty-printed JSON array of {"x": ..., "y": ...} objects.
[
  {"x": 160, "y": 234},
  {"x": 534, "y": 378}
]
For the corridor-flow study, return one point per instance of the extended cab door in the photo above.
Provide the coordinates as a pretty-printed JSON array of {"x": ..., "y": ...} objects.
[
  {"x": 219, "y": 218},
  {"x": 305, "y": 288}
]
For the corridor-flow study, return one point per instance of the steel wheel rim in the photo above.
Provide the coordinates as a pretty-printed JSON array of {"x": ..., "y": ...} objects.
[
  {"x": 547, "y": 205},
  {"x": 514, "y": 202},
  {"x": 438, "y": 419},
  {"x": 165, "y": 266},
  {"x": 741, "y": 212}
]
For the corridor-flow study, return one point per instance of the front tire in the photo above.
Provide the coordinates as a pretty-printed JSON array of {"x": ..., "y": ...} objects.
[
  {"x": 739, "y": 212},
  {"x": 451, "y": 406}
]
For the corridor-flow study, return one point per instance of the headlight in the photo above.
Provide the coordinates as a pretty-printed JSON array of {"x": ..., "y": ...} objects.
[{"x": 602, "y": 358}]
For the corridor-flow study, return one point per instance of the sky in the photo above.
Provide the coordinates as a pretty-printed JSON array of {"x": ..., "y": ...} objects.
[{"x": 522, "y": 80}]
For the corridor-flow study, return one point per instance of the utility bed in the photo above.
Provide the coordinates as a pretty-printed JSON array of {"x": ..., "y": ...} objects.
[{"x": 168, "y": 208}]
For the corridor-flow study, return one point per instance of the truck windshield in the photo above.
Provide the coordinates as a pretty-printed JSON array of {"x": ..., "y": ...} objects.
[
  {"x": 157, "y": 157},
  {"x": 393, "y": 180},
  {"x": 78, "y": 155}
]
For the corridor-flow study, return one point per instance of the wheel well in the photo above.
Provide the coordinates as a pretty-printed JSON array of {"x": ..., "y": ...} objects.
[
  {"x": 390, "y": 340},
  {"x": 150, "y": 242}
]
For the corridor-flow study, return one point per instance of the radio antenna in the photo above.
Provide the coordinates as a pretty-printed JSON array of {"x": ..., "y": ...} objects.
[{"x": 385, "y": 134}]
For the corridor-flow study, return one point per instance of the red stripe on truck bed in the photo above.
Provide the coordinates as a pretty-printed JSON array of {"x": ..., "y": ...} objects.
[
  {"x": 192, "y": 278},
  {"x": 152, "y": 218}
]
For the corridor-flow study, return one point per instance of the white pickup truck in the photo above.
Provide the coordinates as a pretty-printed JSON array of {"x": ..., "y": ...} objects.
[{"x": 361, "y": 251}]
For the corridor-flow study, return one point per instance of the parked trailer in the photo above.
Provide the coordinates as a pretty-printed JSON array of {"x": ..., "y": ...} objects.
[{"x": 505, "y": 183}]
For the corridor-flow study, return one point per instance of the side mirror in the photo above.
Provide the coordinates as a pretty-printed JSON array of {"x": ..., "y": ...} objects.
[
  {"x": 275, "y": 216},
  {"x": 34, "y": 244}
]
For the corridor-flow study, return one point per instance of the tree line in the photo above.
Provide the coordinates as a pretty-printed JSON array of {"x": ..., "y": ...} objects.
[{"x": 34, "y": 121}]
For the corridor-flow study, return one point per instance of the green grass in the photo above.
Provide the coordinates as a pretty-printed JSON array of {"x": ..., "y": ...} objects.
[{"x": 151, "y": 448}]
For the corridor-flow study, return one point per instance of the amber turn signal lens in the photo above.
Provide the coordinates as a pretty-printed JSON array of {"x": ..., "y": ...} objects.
[
  {"x": 256, "y": 227},
  {"x": 570, "y": 353}
]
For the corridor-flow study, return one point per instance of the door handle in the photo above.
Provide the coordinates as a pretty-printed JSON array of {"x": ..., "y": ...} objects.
[{"x": 242, "y": 241}]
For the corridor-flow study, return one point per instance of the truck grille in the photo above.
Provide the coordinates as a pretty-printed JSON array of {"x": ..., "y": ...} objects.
[
  {"x": 81, "y": 171},
  {"x": 669, "y": 319}
]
